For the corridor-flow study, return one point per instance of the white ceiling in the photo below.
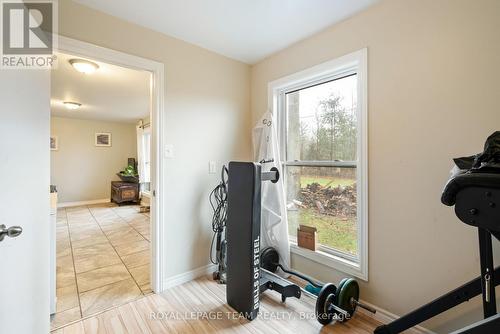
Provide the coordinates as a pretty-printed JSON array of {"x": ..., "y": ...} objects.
[
  {"x": 246, "y": 30},
  {"x": 112, "y": 93}
]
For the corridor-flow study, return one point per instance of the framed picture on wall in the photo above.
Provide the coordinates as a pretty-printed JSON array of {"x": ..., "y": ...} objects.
[
  {"x": 103, "y": 139},
  {"x": 54, "y": 143}
]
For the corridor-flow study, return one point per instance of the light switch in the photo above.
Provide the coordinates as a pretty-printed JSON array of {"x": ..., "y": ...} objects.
[
  {"x": 169, "y": 151},
  {"x": 211, "y": 167}
]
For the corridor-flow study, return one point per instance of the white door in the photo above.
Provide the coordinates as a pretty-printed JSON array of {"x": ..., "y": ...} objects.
[{"x": 24, "y": 200}]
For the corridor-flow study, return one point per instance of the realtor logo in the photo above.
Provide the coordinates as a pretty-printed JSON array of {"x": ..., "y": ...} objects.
[{"x": 28, "y": 30}]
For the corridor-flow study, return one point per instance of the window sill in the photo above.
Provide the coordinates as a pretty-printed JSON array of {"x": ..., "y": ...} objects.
[{"x": 332, "y": 261}]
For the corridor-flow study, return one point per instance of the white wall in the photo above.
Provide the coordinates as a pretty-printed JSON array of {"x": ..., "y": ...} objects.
[
  {"x": 206, "y": 117},
  {"x": 432, "y": 95},
  {"x": 82, "y": 171}
]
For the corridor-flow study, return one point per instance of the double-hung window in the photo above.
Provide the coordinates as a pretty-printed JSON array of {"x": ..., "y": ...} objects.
[{"x": 322, "y": 121}]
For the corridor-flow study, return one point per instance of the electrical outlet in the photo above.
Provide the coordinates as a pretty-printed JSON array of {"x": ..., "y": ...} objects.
[{"x": 212, "y": 167}]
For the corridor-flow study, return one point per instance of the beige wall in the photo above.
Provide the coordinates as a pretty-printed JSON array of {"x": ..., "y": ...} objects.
[
  {"x": 433, "y": 71},
  {"x": 207, "y": 117},
  {"x": 433, "y": 74},
  {"x": 80, "y": 170}
]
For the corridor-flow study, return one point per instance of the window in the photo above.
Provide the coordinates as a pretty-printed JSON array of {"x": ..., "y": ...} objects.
[
  {"x": 146, "y": 159},
  {"x": 322, "y": 120}
]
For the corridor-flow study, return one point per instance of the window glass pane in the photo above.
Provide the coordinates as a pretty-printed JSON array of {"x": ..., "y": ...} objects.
[
  {"x": 321, "y": 121},
  {"x": 324, "y": 197},
  {"x": 146, "y": 141},
  {"x": 146, "y": 186}
]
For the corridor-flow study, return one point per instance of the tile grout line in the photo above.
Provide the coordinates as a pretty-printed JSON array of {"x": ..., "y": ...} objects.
[
  {"x": 73, "y": 261},
  {"x": 94, "y": 220},
  {"x": 149, "y": 248},
  {"x": 149, "y": 219},
  {"x": 74, "y": 266},
  {"x": 104, "y": 243},
  {"x": 87, "y": 271},
  {"x": 109, "y": 265},
  {"x": 133, "y": 278},
  {"x": 77, "y": 286},
  {"x": 102, "y": 286},
  {"x": 83, "y": 318}
]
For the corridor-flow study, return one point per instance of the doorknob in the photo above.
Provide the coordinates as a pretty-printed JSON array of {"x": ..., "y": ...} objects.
[{"x": 11, "y": 232}]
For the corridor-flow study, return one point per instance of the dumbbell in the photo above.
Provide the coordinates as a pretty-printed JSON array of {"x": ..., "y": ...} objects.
[
  {"x": 332, "y": 303},
  {"x": 345, "y": 297}
]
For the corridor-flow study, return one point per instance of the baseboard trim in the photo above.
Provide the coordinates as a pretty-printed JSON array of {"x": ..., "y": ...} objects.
[
  {"x": 386, "y": 317},
  {"x": 188, "y": 276},
  {"x": 79, "y": 203},
  {"x": 382, "y": 316}
]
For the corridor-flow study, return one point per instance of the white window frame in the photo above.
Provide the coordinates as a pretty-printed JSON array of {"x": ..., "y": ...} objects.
[{"x": 355, "y": 62}]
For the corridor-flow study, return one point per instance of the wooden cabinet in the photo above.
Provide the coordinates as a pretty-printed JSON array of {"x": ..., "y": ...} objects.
[{"x": 122, "y": 192}]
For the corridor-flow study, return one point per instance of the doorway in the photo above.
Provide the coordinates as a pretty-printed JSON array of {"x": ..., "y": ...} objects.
[{"x": 107, "y": 249}]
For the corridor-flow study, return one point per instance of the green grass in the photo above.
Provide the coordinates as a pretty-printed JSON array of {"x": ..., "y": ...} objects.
[
  {"x": 325, "y": 181},
  {"x": 335, "y": 232}
]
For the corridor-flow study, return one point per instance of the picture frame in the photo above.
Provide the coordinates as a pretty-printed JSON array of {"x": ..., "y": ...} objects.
[
  {"x": 54, "y": 143},
  {"x": 103, "y": 139}
]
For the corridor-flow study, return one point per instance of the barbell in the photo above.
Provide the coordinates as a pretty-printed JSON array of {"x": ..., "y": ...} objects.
[{"x": 332, "y": 302}]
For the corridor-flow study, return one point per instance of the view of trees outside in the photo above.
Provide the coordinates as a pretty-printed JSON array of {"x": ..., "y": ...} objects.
[{"x": 322, "y": 126}]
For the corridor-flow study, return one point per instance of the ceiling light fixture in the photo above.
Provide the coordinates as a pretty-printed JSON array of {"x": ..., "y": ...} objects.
[
  {"x": 84, "y": 66},
  {"x": 72, "y": 105}
]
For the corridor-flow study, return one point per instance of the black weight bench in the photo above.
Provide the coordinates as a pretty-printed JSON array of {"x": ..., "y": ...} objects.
[
  {"x": 476, "y": 197},
  {"x": 245, "y": 280}
]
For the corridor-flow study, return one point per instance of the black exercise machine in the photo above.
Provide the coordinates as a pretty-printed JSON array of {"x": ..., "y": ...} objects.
[
  {"x": 249, "y": 273},
  {"x": 476, "y": 197}
]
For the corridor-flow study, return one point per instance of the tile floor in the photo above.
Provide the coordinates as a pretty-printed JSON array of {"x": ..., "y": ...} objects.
[{"x": 102, "y": 259}]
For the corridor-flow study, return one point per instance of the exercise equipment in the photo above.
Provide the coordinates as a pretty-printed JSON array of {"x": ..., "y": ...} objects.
[
  {"x": 246, "y": 278},
  {"x": 269, "y": 260},
  {"x": 312, "y": 289},
  {"x": 476, "y": 197},
  {"x": 329, "y": 298},
  {"x": 218, "y": 202},
  {"x": 243, "y": 238}
]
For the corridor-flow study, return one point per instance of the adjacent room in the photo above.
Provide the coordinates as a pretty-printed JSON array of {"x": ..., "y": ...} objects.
[
  {"x": 250, "y": 166},
  {"x": 100, "y": 177}
]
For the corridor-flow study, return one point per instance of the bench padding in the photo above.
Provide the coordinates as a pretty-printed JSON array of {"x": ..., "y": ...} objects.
[{"x": 462, "y": 181}]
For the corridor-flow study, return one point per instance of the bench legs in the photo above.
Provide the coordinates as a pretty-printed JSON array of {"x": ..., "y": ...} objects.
[
  {"x": 488, "y": 274},
  {"x": 479, "y": 285}
]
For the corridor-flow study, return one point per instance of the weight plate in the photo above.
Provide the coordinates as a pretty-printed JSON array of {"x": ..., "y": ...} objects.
[
  {"x": 269, "y": 258},
  {"x": 347, "y": 292},
  {"x": 339, "y": 287},
  {"x": 324, "y": 313}
]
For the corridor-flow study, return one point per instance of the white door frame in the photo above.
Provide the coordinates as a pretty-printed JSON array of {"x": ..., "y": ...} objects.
[{"x": 87, "y": 50}]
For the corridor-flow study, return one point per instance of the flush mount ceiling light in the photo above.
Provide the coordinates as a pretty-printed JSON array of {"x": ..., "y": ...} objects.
[
  {"x": 84, "y": 66},
  {"x": 72, "y": 105}
]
